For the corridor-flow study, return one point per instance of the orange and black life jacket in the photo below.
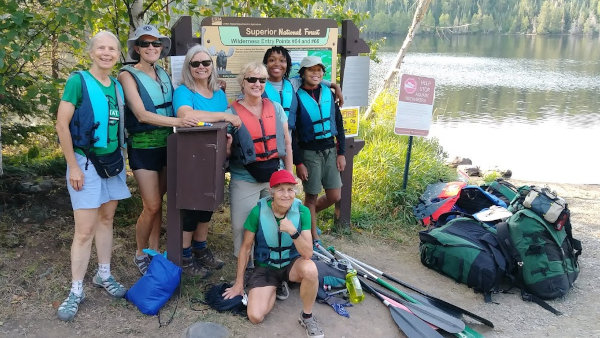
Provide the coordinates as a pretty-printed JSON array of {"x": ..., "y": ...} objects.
[{"x": 258, "y": 139}]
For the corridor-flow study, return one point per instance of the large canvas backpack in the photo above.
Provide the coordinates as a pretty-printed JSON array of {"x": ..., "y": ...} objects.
[
  {"x": 543, "y": 259},
  {"x": 502, "y": 189},
  {"x": 466, "y": 250}
]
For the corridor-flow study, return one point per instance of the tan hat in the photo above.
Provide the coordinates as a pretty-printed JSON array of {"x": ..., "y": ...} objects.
[
  {"x": 152, "y": 31},
  {"x": 310, "y": 61}
]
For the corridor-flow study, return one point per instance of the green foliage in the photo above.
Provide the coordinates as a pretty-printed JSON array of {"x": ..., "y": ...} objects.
[
  {"x": 32, "y": 150},
  {"x": 377, "y": 194},
  {"x": 35, "y": 41},
  {"x": 515, "y": 16}
]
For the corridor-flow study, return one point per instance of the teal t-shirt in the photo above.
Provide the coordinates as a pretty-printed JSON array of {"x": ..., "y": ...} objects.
[
  {"x": 72, "y": 94},
  {"x": 251, "y": 223}
]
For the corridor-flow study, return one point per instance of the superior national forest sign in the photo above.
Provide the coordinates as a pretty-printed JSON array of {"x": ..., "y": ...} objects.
[{"x": 235, "y": 41}]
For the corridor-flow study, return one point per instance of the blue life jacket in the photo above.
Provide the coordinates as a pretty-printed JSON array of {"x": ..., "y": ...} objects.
[
  {"x": 271, "y": 246},
  {"x": 316, "y": 120},
  {"x": 89, "y": 125},
  {"x": 249, "y": 136},
  {"x": 156, "y": 96},
  {"x": 286, "y": 98}
]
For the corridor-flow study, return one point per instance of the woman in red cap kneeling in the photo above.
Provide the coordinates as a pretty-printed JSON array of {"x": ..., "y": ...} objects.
[{"x": 279, "y": 227}]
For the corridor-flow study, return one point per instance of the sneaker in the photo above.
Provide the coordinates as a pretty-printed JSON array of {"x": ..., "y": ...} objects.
[
  {"x": 142, "y": 264},
  {"x": 206, "y": 258},
  {"x": 111, "y": 286},
  {"x": 68, "y": 309},
  {"x": 283, "y": 292},
  {"x": 191, "y": 267},
  {"x": 312, "y": 327}
]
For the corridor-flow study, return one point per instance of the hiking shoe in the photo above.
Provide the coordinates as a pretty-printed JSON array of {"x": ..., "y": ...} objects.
[
  {"x": 111, "y": 286},
  {"x": 205, "y": 257},
  {"x": 191, "y": 268},
  {"x": 282, "y": 292},
  {"x": 68, "y": 309},
  {"x": 142, "y": 264},
  {"x": 312, "y": 327}
]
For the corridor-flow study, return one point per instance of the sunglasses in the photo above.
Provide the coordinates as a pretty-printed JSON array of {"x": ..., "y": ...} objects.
[
  {"x": 254, "y": 79},
  {"x": 196, "y": 64},
  {"x": 145, "y": 44}
]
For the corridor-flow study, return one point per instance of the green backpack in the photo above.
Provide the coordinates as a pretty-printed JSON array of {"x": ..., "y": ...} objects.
[
  {"x": 466, "y": 250},
  {"x": 541, "y": 258}
]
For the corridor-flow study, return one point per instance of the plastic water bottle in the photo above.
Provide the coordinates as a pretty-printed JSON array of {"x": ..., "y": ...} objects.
[{"x": 355, "y": 292}]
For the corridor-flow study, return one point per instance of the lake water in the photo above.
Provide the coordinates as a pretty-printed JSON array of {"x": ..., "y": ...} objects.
[{"x": 525, "y": 103}]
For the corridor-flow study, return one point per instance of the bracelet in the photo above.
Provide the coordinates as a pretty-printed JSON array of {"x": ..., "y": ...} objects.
[{"x": 295, "y": 235}]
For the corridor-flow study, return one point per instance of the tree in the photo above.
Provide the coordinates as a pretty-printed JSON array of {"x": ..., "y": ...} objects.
[{"x": 420, "y": 11}]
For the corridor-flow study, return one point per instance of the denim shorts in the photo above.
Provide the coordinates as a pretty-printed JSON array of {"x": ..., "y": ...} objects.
[{"x": 96, "y": 190}]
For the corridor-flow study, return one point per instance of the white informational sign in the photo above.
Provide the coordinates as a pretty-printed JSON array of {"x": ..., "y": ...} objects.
[
  {"x": 415, "y": 105},
  {"x": 356, "y": 81},
  {"x": 176, "y": 66}
]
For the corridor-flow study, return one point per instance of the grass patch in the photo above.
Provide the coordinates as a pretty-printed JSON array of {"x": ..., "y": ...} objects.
[{"x": 380, "y": 205}]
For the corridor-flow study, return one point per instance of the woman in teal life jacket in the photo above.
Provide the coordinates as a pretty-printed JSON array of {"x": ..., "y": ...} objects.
[
  {"x": 200, "y": 97},
  {"x": 149, "y": 118},
  {"x": 88, "y": 121},
  {"x": 280, "y": 88},
  {"x": 257, "y": 148}
]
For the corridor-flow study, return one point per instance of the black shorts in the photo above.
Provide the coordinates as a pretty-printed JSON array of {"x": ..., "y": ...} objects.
[
  {"x": 263, "y": 276},
  {"x": 154, "y": 159},
  {"x": 191, "y": 218}
]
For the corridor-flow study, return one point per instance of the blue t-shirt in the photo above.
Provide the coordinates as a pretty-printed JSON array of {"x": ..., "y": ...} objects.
[{"x": 185, "y": 97}]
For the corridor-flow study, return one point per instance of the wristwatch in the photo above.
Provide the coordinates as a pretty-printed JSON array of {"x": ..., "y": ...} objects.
[{"x": 295, "y": 235}]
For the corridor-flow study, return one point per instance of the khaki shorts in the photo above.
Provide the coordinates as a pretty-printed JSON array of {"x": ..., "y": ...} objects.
[{"x": 322, "y": 171}]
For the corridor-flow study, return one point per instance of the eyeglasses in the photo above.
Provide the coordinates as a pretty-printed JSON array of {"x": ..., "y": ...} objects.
[
  {"x": 145, "y": 43},
  {"x": 254, "y": 79},
  {"x": 285, "y": 190},
  {"x": 196, "y": 64}
]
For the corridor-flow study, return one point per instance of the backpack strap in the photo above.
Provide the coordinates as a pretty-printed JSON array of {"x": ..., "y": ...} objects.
[
  {"x": 443, "y": 219},
  {"x": 508, "y": 248}
]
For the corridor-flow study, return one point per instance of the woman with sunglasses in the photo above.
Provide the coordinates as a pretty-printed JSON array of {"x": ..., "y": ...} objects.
[
  {"x": 258, "y": 147},
  {"x": 83, "y": 129},
  {"x": 149, "y": 121},
  {"x": 200, "y": 97}
]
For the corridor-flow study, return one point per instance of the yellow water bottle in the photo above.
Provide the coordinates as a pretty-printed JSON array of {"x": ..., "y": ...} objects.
[{"x": 355, "y": 292}]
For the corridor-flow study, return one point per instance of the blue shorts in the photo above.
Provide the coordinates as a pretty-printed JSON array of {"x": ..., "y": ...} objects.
[
  {"x": 96, "y": 190},
  {"x": 154, "y": 159}
]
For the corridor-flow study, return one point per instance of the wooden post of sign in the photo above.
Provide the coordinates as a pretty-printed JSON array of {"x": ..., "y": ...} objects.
[
  {"x": 349, "y": 44},
  {"x": 181, "y": 36}
]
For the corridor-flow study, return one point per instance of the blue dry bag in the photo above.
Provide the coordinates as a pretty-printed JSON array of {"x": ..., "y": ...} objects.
[{"x": 155, "y": 288}]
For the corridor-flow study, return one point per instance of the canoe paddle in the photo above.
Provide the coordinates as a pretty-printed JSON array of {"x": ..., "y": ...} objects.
[
  {"x": 442, "y": 304},
  {"x": 409, "y": 324},
  {"x": 427, "y": 313},
  {"x": 466, "y": 333}
]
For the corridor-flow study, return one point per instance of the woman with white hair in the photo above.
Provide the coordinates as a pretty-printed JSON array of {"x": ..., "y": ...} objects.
[
  {"x": 90, "y": 130},
  {"x": 149, "y": 121},
  {"x": 258, "y": 147},
  {"x": 201, "y": 98}
]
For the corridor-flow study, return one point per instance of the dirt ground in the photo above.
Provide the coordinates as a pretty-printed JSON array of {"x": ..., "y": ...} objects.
[{"x": 34, "y": 278}]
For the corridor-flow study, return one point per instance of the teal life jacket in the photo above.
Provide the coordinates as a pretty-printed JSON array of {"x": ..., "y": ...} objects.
[
  {"x": 316, "y": 120},
  {"x": 157, "y": 97},
  {"x": 271, "y": 246},
  {"x": 89, "y": 124},
  {"x": 253, "y": 140},
  {"x": 286, "y": 98}
]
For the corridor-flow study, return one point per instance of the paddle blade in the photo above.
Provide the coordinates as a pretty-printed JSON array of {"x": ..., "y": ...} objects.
[{"x": 412, "y": 326}]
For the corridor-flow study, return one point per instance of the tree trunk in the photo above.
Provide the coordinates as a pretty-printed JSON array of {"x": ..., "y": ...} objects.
[{"x": 391, "y": 77}]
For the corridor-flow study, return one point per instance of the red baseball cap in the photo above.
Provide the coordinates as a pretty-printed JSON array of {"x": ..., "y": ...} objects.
[{"x": 281, "y": 176}]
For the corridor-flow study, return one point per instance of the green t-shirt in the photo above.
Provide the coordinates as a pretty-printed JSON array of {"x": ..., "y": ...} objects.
[
  {"x": 72, "y": 93},
  {"x": 251, "y": 223}
]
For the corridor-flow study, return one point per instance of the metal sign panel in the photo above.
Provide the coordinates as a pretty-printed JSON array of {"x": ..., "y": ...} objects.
[{"x": 415, "y": 105}]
